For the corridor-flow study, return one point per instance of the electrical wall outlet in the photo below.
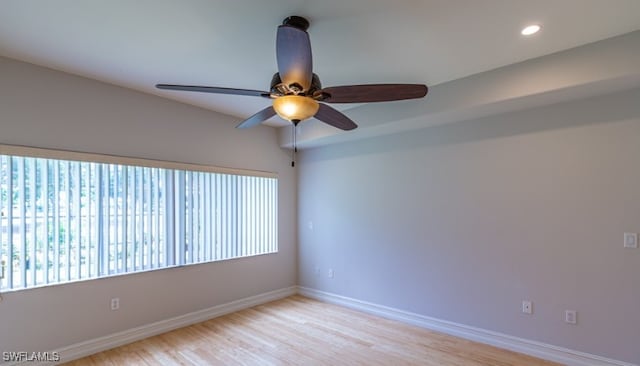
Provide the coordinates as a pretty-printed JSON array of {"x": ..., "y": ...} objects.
[
  {"x": 330, "y": 273},
  {"x": 630, "y": 240},
  {"x": 115, "y": 303},
  {"x": 571, "y": 316},
  {"x": 527, "y": 307}
]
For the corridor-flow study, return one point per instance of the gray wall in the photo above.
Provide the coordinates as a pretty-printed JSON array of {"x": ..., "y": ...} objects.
[
  {"x": 45, "y": 108},
  {"x": 463, "y": 221}
]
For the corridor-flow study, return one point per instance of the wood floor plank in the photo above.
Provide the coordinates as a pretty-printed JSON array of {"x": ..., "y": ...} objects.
[{"x": 302, "y": 331}]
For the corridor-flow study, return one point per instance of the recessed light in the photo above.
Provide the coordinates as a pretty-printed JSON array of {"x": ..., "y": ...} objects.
[{"x": 530, "y": 29}]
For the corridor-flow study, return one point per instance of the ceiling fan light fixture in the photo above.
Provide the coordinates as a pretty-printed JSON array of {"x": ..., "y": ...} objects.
[
  {"x": 296, "y": 91},
  {"x": 295, "y": 107}
]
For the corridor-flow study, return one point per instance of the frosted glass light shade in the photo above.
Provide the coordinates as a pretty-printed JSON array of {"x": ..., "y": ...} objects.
[{"x": 295, "y": 108}]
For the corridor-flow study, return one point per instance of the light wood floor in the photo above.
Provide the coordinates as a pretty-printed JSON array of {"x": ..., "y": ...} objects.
[{"x": 301, "y": 331}]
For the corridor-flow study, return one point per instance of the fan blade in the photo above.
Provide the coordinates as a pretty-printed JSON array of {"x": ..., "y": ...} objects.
[
  {"x": 258, "y": 118},
  {"x": 373, "y": 93},
  {"x": 215, "y": 90},
  {"x": 293, "y": 52},
  {"x": 334, "y": 118}
]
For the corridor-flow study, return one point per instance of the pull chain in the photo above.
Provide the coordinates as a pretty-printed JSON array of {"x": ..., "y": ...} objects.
[{"x": 295, "y": 144}]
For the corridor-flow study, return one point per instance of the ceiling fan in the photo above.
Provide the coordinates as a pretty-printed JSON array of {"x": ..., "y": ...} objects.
[{"x": 296, "y": 91}]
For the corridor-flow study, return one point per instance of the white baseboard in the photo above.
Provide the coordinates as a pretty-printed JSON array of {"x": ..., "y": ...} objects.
[
  {"x": 90, "y": 347},
  {"x": 537, "y": 349}
]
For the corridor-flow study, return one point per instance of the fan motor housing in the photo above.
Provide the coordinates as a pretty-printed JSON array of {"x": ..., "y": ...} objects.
[{"x": 278, "y": 88}]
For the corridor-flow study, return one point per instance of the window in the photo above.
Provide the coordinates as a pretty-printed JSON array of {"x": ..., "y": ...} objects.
[{"x": 90, "y": 216}]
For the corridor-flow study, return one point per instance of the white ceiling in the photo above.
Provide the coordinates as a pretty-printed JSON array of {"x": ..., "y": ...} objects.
[{"x": 137, "y": 44}]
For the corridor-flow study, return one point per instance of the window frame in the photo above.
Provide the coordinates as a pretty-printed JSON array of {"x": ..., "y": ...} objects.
[{"x": 84, "y": 157}]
